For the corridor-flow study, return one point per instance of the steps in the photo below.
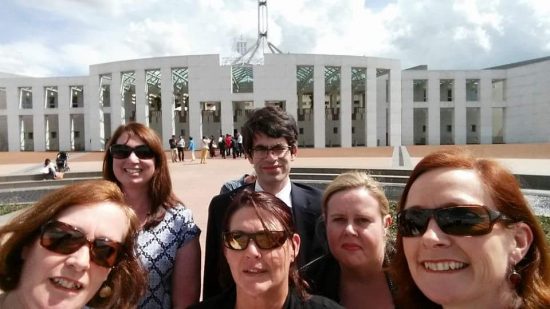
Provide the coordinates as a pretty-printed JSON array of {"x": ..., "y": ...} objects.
[
  {"x": 392, "y": 180},
  {"x": 29, "y": 188}
]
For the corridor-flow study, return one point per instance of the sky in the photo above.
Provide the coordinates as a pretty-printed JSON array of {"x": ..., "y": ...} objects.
[{"x": 44, "y": 38}]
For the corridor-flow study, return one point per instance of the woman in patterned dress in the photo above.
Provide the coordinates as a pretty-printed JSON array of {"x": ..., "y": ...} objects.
[{"x": 168, "y": 243}]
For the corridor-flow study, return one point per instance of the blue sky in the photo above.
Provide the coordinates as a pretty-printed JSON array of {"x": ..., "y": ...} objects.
[{"x": 64, "y": 37}]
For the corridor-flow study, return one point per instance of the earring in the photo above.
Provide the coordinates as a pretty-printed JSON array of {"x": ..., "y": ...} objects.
[
  {"x": 514, "y": 277},
  {"x": 105, "y": 291}
]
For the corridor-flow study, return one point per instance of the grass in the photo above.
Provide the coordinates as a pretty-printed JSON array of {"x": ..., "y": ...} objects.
[
  {"x": 545, "y": 222},
  {"x": 7, "y": 208}
]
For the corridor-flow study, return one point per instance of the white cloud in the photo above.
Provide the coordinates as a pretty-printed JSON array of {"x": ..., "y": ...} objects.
[{"x": 69, "y": 35}]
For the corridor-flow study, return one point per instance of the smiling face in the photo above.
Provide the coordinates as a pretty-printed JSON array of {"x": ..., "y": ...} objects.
[
  {"x": 356, "y": 229},
  {"x": 457, "y": 270},
  {"x": 272, "y": 171},
  {"x": 53, "y": 280},
  {"x": 254, "y": 270},
  {"x": 133, "y": 173}
]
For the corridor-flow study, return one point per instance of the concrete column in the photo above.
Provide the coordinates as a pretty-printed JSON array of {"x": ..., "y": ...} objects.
[
  {"x": 94, "y": 132},
  {"x": 65, "y": 99},
  {"x": 39, "y": 127},
  {"x": 142, "y": 104},
  {"x": 408, "y": 112},
  {"x": 226, "y": 118},
  {"x": 195, "y": 119},
  {"x": 371, "y": 123},
  {"x": 345, "y": 106},
  {"x": 118, "y": 113},
  {"x": 319, "y": 106},
  {"x": 395, "y": 107},
  {"x": 434, "y": 111},
  {"x": 168, "y": 105},
  {"x": 486, "y": 119},
  {"x": 12, "y": 109},
  {"x": 460, "y": 109}
]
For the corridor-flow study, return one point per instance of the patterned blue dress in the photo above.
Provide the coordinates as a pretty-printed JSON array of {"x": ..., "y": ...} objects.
[{"x": 157, "y": 248}]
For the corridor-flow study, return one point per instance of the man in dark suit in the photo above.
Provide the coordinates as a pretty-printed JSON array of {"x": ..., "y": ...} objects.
[{"x": 270, "y": 143}]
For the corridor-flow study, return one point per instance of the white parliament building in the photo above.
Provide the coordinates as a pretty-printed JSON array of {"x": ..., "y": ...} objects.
[{"x": 338, "y": 101}]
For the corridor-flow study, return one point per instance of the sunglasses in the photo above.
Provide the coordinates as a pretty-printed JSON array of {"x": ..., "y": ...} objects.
[
  {"x": 464, "y": 220},
  {"x": 121, "y": 151},
  {"x": 64, "y": 238},
  {"x": 266, "y": 240}
]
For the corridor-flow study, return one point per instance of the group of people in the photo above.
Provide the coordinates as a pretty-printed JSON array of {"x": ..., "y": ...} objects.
[
  {"x": 177, "y": 148},
  {"x": 228, "y": 145},
  {"x": 466, "y": 237}
]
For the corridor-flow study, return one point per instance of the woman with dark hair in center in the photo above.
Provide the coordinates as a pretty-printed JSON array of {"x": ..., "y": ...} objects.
[{"x": 261, "y": 245}]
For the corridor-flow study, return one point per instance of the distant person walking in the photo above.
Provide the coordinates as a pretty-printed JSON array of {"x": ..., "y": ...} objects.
[
  {"x": 181, "y": 148},
  {"x": 212, "y": 145},
  {"x": 221, "y": 146},
  {"x": 228, "y": 144},
  {"x": 240, "y": 144},
  {"x": 173, "y": 151},
  {"x": 204, "y": 149},
  {"x": 192, "y": 147}
]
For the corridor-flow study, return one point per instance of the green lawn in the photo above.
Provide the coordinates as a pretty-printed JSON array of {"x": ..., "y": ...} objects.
[
  {"x": 545, "y": 222},
  {"x": 6, "y": 209}
]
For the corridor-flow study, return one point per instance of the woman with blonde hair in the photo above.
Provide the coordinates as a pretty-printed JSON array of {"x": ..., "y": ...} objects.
[{"x": 356, "y": 219}]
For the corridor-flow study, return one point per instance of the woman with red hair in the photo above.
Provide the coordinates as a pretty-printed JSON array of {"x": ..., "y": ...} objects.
[{"x": 468, "y": 238}]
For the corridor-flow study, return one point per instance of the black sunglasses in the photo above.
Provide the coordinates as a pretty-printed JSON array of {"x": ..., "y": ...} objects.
[
  {"x": 64, "y": 238},
  {"x": 121, "y": 151},
  {"x": 266, "y": 240},
  {"x": 463, "y": 220}
]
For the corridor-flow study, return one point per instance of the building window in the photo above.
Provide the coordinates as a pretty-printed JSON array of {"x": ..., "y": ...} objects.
[
  {"x": 420, "y": 90},
  {"x": 76, "y": 134},
  {"x": 335, "y": 130},
  {"x": 423, "y": 128},
  {"x": 30, "y": 135},
  {"x": 242, "y": 77},
  {"x": 449, "y": 128},
  {"x": 301, "y": 130},
  {"x": 53, "y": 134},
  {"x": 446, "y": 87},
  {"x": 474, "y": 128},
  {"x": 352, "y": 130},
  {"x": 472, "y": 90}
]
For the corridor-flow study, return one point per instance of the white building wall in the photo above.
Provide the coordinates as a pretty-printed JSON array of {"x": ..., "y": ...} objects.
[
  {"x": 389, "y": 112},
  {"x": 527, "y": 111}
]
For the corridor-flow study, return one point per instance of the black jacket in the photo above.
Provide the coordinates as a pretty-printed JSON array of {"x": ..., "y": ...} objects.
[
  {"x": 306, "y": 209},
  {"x": 228, "y": 298}
]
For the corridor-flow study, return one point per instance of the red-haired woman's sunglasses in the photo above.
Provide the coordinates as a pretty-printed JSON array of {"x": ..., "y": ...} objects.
[
  {"x": 64, "y": 238},
  {"x": 462, "y": 220}
]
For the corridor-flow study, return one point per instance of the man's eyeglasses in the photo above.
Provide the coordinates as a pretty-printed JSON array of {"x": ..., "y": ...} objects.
[
  {"x": 466, "y": 220},
  {"x": 64, "y": 238},
  {"x": 121, "y": 151},
  {"x": 261, "y": 151},
  {"x": 266, "y": 240}
]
